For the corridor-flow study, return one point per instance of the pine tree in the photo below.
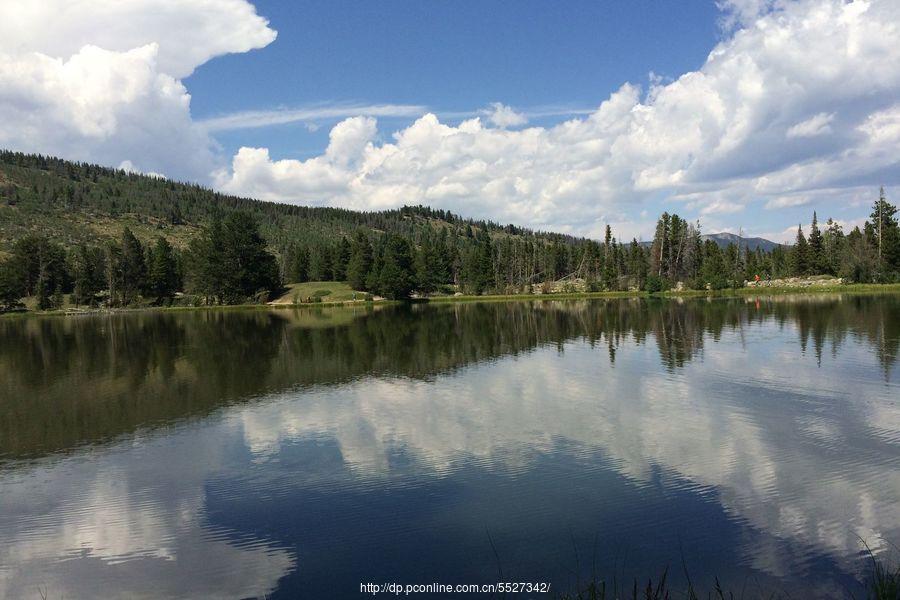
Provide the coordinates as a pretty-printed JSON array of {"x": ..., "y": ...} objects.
[
  {"x": 478, "y": 272},
  {"x": 859, "y": 260},
  {"x": 299, "y": 271},
  {"x": 675, "y": 248},
  {"x": 163, "y": 272},
  {"x": 428, "y": 266},
  {"x": 732, "y": 266},
  {"x": 751, "y": 264},
  {"x": 444, "y": 255},
  {"x": 659, "y": 251},
  {"x": 360, "y": 261},
  {"x": 780, "y": 261},
  {"x": 610, "y": 265},
  {"x": 886, "y": 237},
  {"x": 37, "y": 258},
  {"x": 341, "y": 260},
  {"x": 833, "y": 243},
  {"x": 880, "y": 218},
  {"x": 42, "y": 290},
  {"x": 12, "y": 287},
  {"x": 247, "y": 267},
  {"x": 133, "y": 267},
  {"x": 693, "y": 252},
  {"x": 204, "y": 262},
  {"x": 320, "y": 263},
  {"x": 816, "y": 256},
  {"x": 397, "y": 277},
  {"x": 637, "y": 264},
  {"x": 712, "y": 271},
  {"x": 113, "y": 274},
  {"x": 373, "y": 277},
  {"x": 800, "y": 255},
  {"x": 88, "y": 271}
]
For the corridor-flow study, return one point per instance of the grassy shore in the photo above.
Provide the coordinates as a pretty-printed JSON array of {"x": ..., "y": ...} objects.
[
  {"x": 324, "y": 291},
  {"x": 850, "y": 288},
  {"x": 341, "y": 295},
  {"x": 509, "y": 297},
  {"x": 855, "y": 288}
]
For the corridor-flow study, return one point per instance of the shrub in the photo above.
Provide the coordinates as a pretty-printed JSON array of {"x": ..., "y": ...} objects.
[{"x": 653, "y": 284}]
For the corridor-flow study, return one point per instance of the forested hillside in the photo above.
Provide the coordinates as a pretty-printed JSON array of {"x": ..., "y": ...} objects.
[
  {"x": 80, "y": 234},
  {"x": 73, "y": 202}
]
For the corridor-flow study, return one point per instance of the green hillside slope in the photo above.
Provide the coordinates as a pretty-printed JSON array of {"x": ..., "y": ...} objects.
[{"x": 74, "y": 203}]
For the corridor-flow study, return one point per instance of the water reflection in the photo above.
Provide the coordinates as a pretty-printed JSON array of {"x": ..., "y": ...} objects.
[{"x": 343, "y": 446}]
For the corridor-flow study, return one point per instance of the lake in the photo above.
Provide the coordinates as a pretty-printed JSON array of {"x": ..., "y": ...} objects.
[{"x": 299, "y": 453}]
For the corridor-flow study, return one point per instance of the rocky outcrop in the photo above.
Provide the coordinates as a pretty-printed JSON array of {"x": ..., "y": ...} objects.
[{"x": 796, "y": 282}]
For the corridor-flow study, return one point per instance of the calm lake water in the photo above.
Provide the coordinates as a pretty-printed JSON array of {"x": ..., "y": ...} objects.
[{"x": 299, "y": 453}]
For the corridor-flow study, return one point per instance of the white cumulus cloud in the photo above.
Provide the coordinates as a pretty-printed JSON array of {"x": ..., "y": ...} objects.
[
  {"x": 748, "y": 126},
  {"x": 504, "y": 116},
  {"x": 100, "y": 80},
  {"x": 188, "y": 32}
]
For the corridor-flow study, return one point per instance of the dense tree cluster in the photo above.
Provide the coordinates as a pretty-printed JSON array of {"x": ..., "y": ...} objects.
[{"x": 228, "y": 263}]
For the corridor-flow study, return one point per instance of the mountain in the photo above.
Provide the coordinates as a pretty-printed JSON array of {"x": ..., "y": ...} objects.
[
  {"x": 724, "y": 239},
  {"x": 73, "y": 203}
]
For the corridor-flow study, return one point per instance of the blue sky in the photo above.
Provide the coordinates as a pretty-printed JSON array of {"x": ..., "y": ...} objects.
[
  {"x": 746, "y": 115},
  {"x": 453, "y": 57}
]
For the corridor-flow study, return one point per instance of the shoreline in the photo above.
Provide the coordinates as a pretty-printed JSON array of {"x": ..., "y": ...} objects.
[{"x": 854, "y": 288}]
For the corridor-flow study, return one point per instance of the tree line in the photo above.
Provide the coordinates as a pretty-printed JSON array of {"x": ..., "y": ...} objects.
[
  {"x": 477, "y": 262},
  {"x": 230, "y": 262},
  {"x": 870, "y": 254}
]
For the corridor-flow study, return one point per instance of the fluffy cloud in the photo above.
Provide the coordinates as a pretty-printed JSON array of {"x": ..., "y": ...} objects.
[
  {"x": 802, "y": 96},
  {"x": 504, "y": 116},
  {"x": 100, "y": 81},
  {"x": 742, "y": 12},
  {"x": 188, "y": 32}
]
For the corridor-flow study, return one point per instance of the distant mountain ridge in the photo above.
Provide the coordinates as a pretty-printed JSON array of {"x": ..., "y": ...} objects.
[{"x": 724, "y": 239}]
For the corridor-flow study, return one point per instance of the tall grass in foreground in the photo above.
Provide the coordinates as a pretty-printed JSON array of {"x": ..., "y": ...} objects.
[
  {"x": 884, "y": 580},
  {"x": 883, "y": 584}
]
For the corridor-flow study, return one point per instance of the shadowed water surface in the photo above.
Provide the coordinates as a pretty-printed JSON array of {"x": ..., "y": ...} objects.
[{"x": 299, "y": 453}]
